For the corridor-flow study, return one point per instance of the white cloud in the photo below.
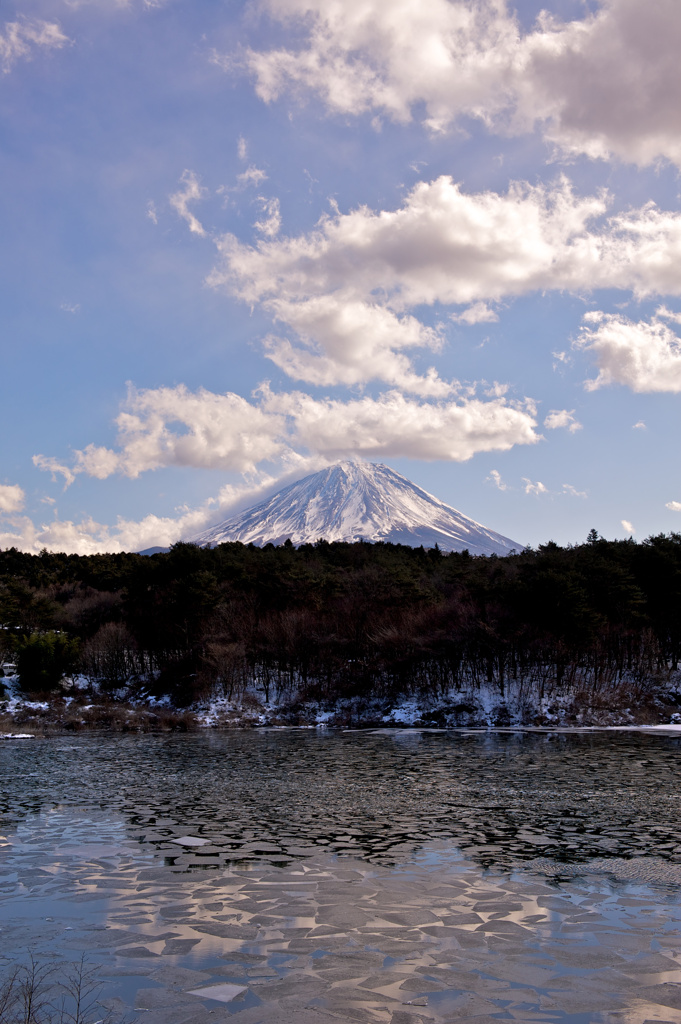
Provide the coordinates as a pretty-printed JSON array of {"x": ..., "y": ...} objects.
[
  {"x": 364, "y": 55},
  {"x": 241, "y": 148},
  {"x": 627, "y": 526},
  {"x": 348, "y": 288},
  {"x": 19, "y": 38},
  {"x": 270, "y": 222},
  {"x": 70, "y": 307},
  {"x": 645, "y": 355},
  {"x": 151, "y": 212},
  {"x": 593, "y": 81},
  {"x": 495, "y": 478},
  {"x": 216, "y": 431},
  {"x": 444, "y": 245},
  {"x": 393, "y": 425},
  {"x": 176, "y": 427},
  {"x": 344, "y": 340},
  {"x": 89, "y": 537},
  {"x": 558, "y": 418},
  {"x": 673, "y": 506},
  {"x": 639, "y": 426},
  {"x": 478, "y": 313},
  {"x": 605, "y": 84},
  {"x": 534, "y": 488},
  {"x": 181, "y": 199},
  {"x": 12, "y": 498}
]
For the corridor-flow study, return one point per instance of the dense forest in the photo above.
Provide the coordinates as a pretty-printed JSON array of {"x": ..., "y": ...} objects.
[{"x": 335, "y": 620}]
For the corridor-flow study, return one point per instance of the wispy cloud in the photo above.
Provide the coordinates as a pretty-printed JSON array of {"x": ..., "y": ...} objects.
[
  {"x": 55, "y": 468},
  {"x": 22, "y": 38},
  {"x": 539, "y": 488},
  {"x": 270, "y": 222},
  {"x": 191, "y": 192},
  {"x": 251, "y": 176},
  {"x": 573, "y": 492},
  {"x": 495, "y": 478},
  {"x": 534, "y": 488}
]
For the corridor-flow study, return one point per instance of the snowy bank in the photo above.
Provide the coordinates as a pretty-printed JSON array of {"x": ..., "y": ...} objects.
[{"x": 654, "y": 706}]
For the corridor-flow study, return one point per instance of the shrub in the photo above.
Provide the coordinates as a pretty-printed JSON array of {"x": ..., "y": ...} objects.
[{"x": 43, "y": 659}]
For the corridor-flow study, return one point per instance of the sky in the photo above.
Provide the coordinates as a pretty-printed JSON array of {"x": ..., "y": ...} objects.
[{"x": 244, "y": 240}]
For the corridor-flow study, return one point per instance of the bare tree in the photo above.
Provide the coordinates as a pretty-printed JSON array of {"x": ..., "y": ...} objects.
[
  {"x": 38, "y": 993},
  {"x": 24, "y": 994}
]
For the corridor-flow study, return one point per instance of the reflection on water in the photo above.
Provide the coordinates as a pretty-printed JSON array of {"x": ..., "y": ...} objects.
[
  {"x": 394, "y": 877},
  {"x": 501, "y": 798}
]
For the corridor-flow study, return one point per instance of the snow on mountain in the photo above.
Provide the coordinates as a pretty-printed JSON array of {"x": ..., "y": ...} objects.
[{"x": 353, "y": 501}]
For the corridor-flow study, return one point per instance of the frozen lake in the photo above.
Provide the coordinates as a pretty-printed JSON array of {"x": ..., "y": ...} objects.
[{"x": 305, "y": 876}]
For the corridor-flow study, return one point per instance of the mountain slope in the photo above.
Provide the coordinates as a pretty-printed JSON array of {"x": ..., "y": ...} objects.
[{"x": 354, "y": 501}]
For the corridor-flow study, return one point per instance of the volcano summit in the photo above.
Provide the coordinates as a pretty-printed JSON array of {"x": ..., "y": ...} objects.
[{"x": 353, "y": 501}]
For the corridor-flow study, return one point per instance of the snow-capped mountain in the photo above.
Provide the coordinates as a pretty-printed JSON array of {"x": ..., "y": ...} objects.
[{"x": 354, "y": 501}]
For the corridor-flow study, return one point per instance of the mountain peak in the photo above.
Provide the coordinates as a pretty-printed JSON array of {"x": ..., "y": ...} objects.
[{"x": 353, "y": 501}]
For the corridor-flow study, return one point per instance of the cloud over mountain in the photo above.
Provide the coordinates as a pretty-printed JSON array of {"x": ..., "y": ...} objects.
[{"x": 175, "y": 427}]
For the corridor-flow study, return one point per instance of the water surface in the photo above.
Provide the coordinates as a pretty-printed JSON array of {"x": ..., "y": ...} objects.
[{"x": 387, "y": 876}]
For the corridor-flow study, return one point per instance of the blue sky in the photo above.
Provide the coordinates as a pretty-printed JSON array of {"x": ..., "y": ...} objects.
[{"x": 243, "y": 240}]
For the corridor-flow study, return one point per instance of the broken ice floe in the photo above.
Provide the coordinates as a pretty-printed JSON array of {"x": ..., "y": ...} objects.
[{"x": 223, "y": 993}]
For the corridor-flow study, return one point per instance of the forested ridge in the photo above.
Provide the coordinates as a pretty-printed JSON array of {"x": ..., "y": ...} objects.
[{"x": 338, "y": 620}]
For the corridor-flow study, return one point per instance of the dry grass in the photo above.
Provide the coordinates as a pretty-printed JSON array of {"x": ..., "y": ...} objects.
[{"x": 104, "y": 715}]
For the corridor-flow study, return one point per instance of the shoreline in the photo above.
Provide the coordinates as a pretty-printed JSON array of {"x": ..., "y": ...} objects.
[
  {"x": 24, "y": 718},
  {"x": 56, "y": 733},
  {"x": 81, "y": 705}
]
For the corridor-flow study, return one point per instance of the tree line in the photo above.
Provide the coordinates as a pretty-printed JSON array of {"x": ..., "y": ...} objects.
[{"x": 325, "y": 621}]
